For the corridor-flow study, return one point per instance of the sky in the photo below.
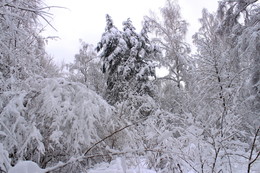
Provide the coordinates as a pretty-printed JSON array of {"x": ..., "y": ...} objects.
[{"x": 85, "y": 19}]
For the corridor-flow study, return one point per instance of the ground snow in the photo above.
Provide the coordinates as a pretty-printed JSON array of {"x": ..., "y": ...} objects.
[
  {"x": 118, "y": 166},
  {"x": 26, "y": 167}
]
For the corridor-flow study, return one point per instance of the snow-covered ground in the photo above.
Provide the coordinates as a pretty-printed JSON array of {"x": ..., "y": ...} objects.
[
  {"x": 118, "y": 166},
  {"x": 26, "y": 167}
]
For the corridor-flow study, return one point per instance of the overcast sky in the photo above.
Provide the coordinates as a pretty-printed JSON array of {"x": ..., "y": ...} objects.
[{"x": 85, "y": 19}]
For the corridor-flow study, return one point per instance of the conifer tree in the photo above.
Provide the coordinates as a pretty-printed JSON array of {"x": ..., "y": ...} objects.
[{"x": 127, "y": 60}]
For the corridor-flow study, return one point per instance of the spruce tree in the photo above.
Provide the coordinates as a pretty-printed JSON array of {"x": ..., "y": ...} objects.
[{"x": 127, "y": 61}]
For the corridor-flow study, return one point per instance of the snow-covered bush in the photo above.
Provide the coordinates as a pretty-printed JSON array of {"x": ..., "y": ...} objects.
[{"x": 53, "y": 120}]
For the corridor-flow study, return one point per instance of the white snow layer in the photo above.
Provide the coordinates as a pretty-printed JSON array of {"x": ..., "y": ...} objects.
[
  {"x": 118, "y": 166},
  {"x": 26, "y": 167}
]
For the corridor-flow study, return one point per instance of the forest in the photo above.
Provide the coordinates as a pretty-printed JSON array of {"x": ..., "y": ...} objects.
[{"x": 108, "y": 111}]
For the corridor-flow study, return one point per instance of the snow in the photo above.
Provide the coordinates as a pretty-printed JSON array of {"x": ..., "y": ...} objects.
[
  {"x": 118, "y": 166},
  {"x": 165, "y": 135},
  {"x": 26, "y": 167},
  {"x": 4, "y": 159}
]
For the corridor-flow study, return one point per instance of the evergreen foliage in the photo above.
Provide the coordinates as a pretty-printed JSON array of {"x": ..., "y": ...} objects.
[{"x": 127, "y": 60}]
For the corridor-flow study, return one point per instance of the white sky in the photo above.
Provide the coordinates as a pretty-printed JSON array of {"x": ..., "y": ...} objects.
[{"x": 85, "y": 19}]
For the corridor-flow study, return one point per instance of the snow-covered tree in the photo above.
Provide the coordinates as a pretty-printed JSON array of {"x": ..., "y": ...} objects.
[
  {"x": 82, "y": 61},
  {"x": 240, "y": 30},
  {"x": 127, "y": 60},
  {"x": 220, "y": 85},
  {"x": 212, "y": 136},
  {"x": 22, "y": 49},
  {"x": 86, "y": 68},
  {"x": 170, "y": 30}
]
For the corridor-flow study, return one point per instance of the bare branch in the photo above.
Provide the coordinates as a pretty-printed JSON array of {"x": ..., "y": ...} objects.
[
  {"x": 251, "y": 152},
  {"x": 112, "y": 134}
]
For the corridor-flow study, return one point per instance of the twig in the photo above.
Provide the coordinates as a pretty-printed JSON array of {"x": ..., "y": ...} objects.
[
  {"x": 61, "y": 164},
  {"x": 190, "y": 164},
  {"x": 112, "y": 134},
  {"x": 251, "y": 152},
  {"x": 215, "y": 159},
  {"x": 179, "y": 168}
]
